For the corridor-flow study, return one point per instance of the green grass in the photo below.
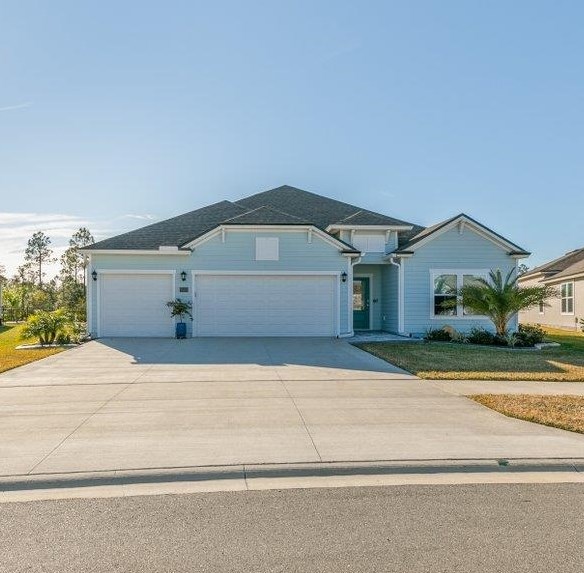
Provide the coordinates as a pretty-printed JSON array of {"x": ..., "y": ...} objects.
[
  {"x": 10, "y": 338},
  {"x": 565, "y": 412},
  {"x": 443, "y": 360}
]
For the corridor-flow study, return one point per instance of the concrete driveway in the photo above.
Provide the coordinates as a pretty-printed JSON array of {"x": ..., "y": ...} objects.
[{"x": 152, "y": 403}]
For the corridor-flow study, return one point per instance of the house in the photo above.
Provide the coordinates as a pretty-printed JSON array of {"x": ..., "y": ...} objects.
[
  {"x": 287, "y": 262},
  {"x": 566, "y": 273}
]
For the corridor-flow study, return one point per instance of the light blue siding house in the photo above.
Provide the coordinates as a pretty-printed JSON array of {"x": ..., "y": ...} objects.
[{"x": 286, "y": 262}]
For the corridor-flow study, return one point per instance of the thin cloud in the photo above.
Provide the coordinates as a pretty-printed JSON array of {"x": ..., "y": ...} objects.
[
  {"x": 16, "y": 106},
  {"x": 17, "y": 228},
  {"x": 145, "y": 217}
]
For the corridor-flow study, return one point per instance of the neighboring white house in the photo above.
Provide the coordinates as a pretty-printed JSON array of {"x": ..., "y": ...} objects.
[
  {"x": 286, "y": 262},
  {"x": 566, "y": 274}
]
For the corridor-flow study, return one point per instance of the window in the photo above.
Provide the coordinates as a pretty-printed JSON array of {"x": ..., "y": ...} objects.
[
  {"x": 444, "y": 291},
  {"x": 372, "y": 243},
  {"x": 267, "y": 249},
  {"x": 445, "y": 287},
  {"x": 567, "y": 293},
  {"x": 541, "y": 307}
]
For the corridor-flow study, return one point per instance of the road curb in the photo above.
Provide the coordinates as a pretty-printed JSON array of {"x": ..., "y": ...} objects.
[{"x": 123, "y": 483}]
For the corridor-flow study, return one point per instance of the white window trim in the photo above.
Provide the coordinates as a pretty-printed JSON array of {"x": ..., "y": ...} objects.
[
  {"x": 264, "y": 247},
  {"x": 562, "y": 298},
  {"x": 459, "y": 278}
]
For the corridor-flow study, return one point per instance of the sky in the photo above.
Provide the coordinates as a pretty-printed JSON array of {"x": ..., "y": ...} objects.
[{"x": 117, "y": 114}]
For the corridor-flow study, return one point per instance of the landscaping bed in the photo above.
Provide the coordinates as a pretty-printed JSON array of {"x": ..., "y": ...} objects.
[
  {"x": 452, "y": 361},
  {"x": 565, "y": 412},
  {"x": 10, "y": 357}
]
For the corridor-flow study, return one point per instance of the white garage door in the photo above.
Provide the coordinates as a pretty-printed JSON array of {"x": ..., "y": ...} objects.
[
  {"x": 134, "y": 304},
  {"x": 265, "y": 305}
]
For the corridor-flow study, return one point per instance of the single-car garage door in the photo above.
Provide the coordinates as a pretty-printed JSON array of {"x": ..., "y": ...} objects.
[
  {"x": 266, "y": 305},
  {"x": 133, "y": 304}
]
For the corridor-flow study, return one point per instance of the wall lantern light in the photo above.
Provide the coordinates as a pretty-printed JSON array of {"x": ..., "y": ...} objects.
[
  {"x": 94, "y": 275},
  {"x": 183, "y": 276},
  {"x": 344, "y": 277}
]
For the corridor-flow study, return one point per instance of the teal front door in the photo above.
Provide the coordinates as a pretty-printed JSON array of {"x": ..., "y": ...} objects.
[{"x": 361, "y": 303}]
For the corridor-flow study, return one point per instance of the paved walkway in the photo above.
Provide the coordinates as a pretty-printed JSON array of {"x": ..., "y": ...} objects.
[
  {"x": 469, "y": 387},
  {"x": 152, "y": 403}
]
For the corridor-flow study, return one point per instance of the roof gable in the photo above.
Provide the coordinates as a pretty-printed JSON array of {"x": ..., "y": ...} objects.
[
  {"x": 430, "y": 233},
  {"x": 566, "y": 265}
]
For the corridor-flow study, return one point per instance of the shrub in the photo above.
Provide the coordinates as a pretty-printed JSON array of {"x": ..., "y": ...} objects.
[
  {"x": 437, "y": 335},
  {"x": 46, "y": 326},
  {"x": 481, "y": 336},
  {"x": 529, "y": 335}
]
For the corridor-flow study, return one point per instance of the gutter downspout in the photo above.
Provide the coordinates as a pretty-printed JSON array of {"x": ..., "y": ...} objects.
[{"x": 400, "y": 295}]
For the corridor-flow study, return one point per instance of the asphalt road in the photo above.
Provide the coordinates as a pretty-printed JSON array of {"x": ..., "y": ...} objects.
[{"x": 474, "y": 528}]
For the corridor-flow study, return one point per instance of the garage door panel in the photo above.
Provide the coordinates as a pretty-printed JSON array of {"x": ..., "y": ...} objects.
[
  {"x": 265, "y": 305},
  {"x": 134, "y": 304}
]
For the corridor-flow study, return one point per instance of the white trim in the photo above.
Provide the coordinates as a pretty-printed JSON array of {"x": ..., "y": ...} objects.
[
  {"x": 126, "y": 272},
  {"x": 475, "y": 227},
  {"x": 134, "y": 272},
  {"x": 337, "y": 302},
  {"x": 400, "y": 293},
  {"x": 350, "y": 265},
  {"x": 89, "y": 294},
  {"x": 350, "y": 227},
  {"x": 459, "y": 307},
  {"x": 573, "y": 298},
  {"x": 135, "y": 252},
  {"x": 563, "y": 279},
  {"x": 267, "y": 229}
]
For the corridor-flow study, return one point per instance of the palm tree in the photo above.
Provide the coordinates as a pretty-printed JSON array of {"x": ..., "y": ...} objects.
[{"x": 500, "y": 299}]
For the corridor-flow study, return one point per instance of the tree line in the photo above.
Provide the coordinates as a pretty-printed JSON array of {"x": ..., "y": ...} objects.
[{"x": 29, "y": 290}]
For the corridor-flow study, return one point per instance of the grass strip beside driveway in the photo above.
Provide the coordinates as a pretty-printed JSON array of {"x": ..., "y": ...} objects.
[
  {"x": 10, "y": 338},
  {"x": 449, "y": 361},
  {"x": 565, "y": 412}
]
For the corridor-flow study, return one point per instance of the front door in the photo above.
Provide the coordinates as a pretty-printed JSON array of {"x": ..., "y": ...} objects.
[{"x": 361, "y": 303}]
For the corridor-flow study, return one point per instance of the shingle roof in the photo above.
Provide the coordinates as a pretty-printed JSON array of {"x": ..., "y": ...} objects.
[
  {"x": 265, "y": 216},
  {"x": 281, "y": 206},
  {"x": 426, "y": 232},
  {"x": 567, "y": 265},
  {"x": 176, "y": 231},
  {"x": 321, "y": 211}
]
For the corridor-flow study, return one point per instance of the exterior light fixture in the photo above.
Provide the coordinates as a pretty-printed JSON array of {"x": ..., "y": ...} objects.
[
  {"x": 344, "y": 277},
  {"x": 94, "y": 275},
  {"x": 183, "y": 276}
]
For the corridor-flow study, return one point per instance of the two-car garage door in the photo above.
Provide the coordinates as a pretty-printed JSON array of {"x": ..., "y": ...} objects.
[
  {"x": 265, "y": 305},
  {"x": 133, "y": 304}
]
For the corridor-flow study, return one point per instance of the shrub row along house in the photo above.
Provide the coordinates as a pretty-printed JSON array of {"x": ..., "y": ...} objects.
[
  {"x": 286, "y": 262},
  {"x": 566, "y": 274}
]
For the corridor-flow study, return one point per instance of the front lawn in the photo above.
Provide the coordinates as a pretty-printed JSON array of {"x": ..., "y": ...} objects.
[
  {"x": 444, "y": 360},
  {"x": 10, "y": 357},
  {"x": 565, "y": 412}
]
